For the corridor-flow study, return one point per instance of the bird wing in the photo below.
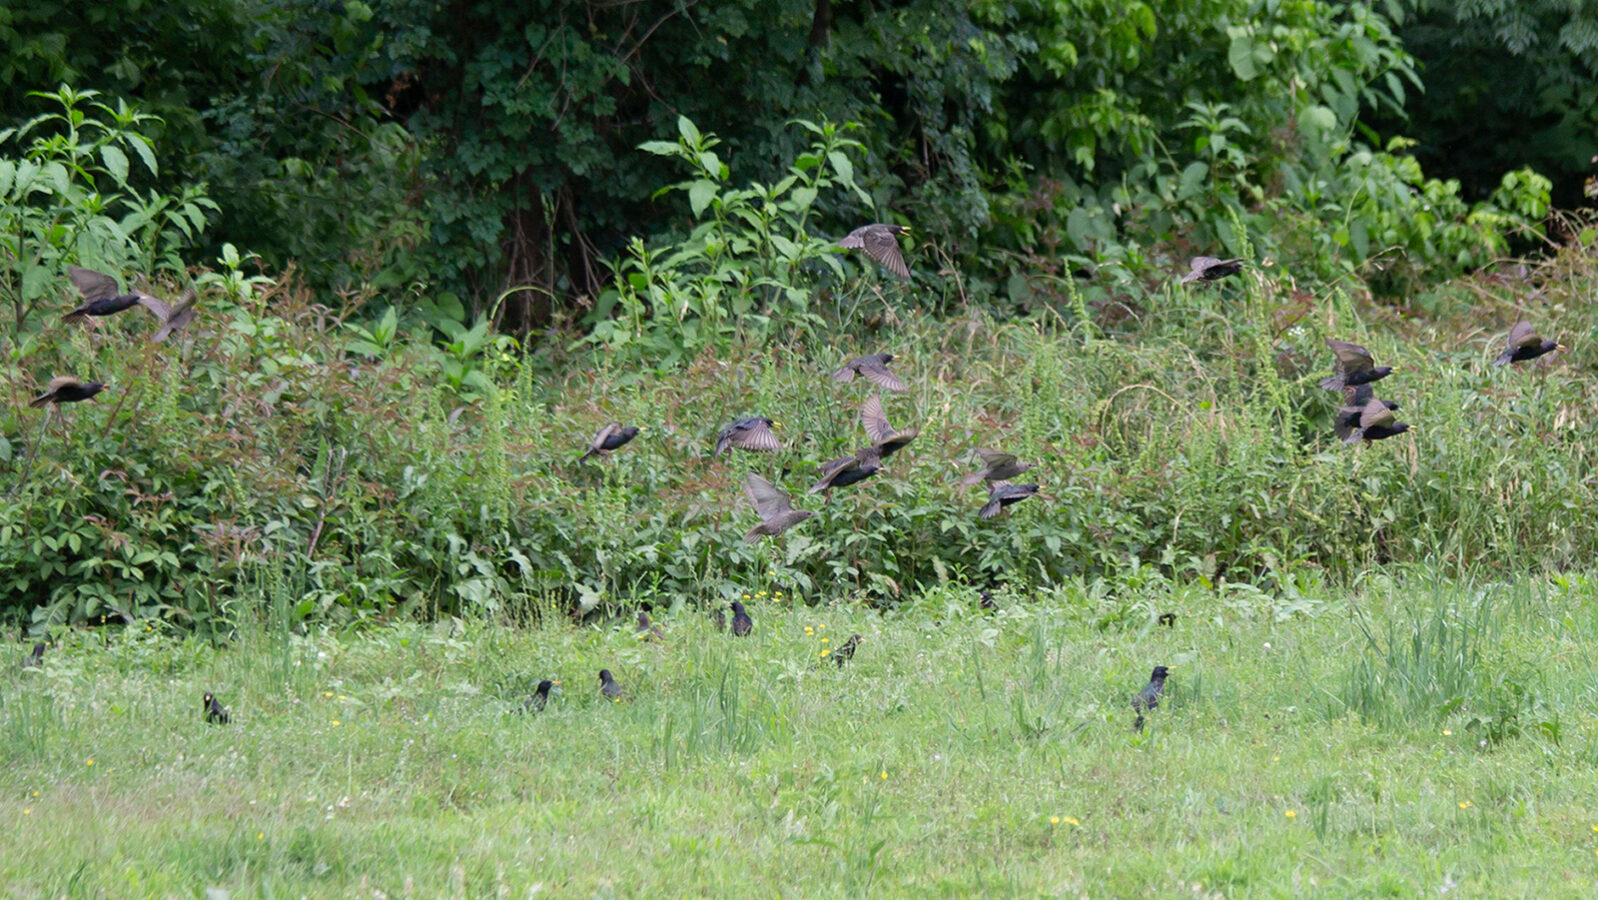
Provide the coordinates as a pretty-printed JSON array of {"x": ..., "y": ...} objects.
[
  {"x": 1375, "y": 413},
  {"x": 996, "y": 458},
  {"x": 1523, "y": 335},
  {"x": 1351, "y": 358},
  {"x": 855, "y": 240},
  {"x": 180, "y": 316},
  {"x": 882, "y": 246},
  {"x": 1197, "y": 266},
  {"x": 1357, "y": 395},
  {"x": 160, "y": 310},
  {"x": 770, "y": 501},
  {"x": 846, "y": 373},
  {"x": 754, "y": 437},
  {"x": 877, "y": 373},
  {"x": 91, "y": 284},
  {"x": 61, "y": 381},
  {"x": 875, "y": 421},
  {"x": 606, "y": 431}
]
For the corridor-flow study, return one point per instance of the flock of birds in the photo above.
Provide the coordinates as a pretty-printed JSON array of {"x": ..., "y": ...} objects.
[{"x": 1362, "y": 417}]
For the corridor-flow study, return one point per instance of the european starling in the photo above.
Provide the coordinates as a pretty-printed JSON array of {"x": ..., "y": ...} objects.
[
  {"x": 848, "y": 470},
  {"x": 776, "y": 509},
  {"x": 101, "y": 296},
  {"x": 1149, "y": 697},
  {"x": 1002, "y": 494},
  {"x": 1354, "y": 366},
  {"x": 752, "y": 433},
  {"x": 173, "y": 318},
  {"x": 609, "y": 438},
  {"x": 881, "y": 244},
  {"x": 1168, "y": 619},
  {"x": 1375, "y": 422},
  {"x": 884, "y": 438},
  {"x": 34, "y": 659},
  {"x": 66, "y": 389},
  {"x": 1355, "y": 398},
  {"x": 873, "y": 368},
  {"x": 1524, "y": 344},
  {"x": 1208, "y": 268},
  {"x": 985, "y": 601},
  {"x": 214, "y": 713},
  {"x": 741, "y": 623},
  {"x": 996, "y": 467},
  {"x": 646, "y": 630},
  {"x": 540, "y": 696},
  {"x": 845, "y": 651},
  {"x": 608, "y": 688}
]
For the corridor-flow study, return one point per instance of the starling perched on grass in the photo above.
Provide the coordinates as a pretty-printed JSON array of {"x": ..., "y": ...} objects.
[
  {"x": 66, "y": 389},
  {"x": 996, "y": 466},
  {"x": 752, "y": 433},
  {"x": 34, "y": 659},
  {"x": 1375, "y": 421},
  {"x": 985, "y": 601},
  {"x": 845, "y": 651},
  {"x": 540, "y": 696},
  {"x": 848, "y": 470},
  {"x": 1355, "y": 398},
  {"x": 1208, "y": 268},
  {"x": 776, "y": 509},
  {"x": 173, "y": 318},
  {"x": 1355, "y": 366},
  {"x": 1525, "y": 344},
  {"x": 608, "y": 688},
  {"x": 609, "y": 438},
  {"x": 1002, "y": 494},
  {"x": 647, "y": 631},
  {"x": 741, "y": 623},
  {"x": 1149, "y": 697},
  {"x": 1168, "y": 619},
  {"x": 873, "y": 368},
  {"x": 881, "y": 243},
  {"x": 886, "y": 441},
  {"x": 214, "y": 713}
]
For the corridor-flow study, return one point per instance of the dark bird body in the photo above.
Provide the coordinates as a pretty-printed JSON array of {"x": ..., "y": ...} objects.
[
  {"x": 873, "y": 368},
  {"x": 886, "y": 441},
  {"x": 102, "y": 297},
  {"x": 1208, "y": 268},
  {"x": 1002, "y": 494},
  {"x": 881, "y": 243},
  {"x": 1371, "y": 422},
  {"x": 996, "y": 466},
  {"x": 34, "y": 659},
  {"x": 751, "y": 433},
  {"x": 214, "y": 713},
  {"x": 1168, "y": 619},
  {"x": 1355, "y": 397},
  {"x": 608, "y": 688},
  {"x": 1355, "y": 366},
  {"x": 741, "y": 623},
  {"x": 1149, "y": 697},
  {"x": 1525, "y": 344},
  {"x": 985, "y": 601},
  {"x": 608, "y": 438},
  {"x": 775, "y": 507},
  {"x": 540, "y": 697},
  {"x": 845, "y": 651},
  {"x": 66, "y": 389},
  {"x": 848, "y": 470},
  {"x": 647, "y": 631}
]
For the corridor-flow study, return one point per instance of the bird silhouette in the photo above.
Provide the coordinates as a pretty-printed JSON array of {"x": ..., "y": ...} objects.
[
  {"x": 750, "y": 433},
  {"x": 214, "y": 713},
  {"x": 1525, "y": 344},
  {"x": 845, "y": 651},
  {"x": 1149, "y": 697},
  {"x": 608, "y": 688},
  {"x": 34, "y": 659},
  {"x": 1355, "y": 366},
  {"x": 1375, "y": 421},
  {"x": 66, "y": 389},
  {"x": 540, "y": 696},
  {"x": 881, "y": 243},
  {"x": 173, "y": 319},
  {"x": 1208, "y": 268},
  {"x": 996, "y": 466},
  {"x": 1002, "y": 494},
  {"x": 886, "y": 440},
  {"x": 646, "y": 630},
  {"x": 741, "y": 623},
  {"x": 873, "y": 368},
  {"x": 848, "y": 470},
  {"x": 609, "y": 438}
]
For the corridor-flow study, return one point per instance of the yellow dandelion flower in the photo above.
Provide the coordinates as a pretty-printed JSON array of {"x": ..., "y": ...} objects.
[
  {"x": 1291, "y": 814},
  {"x": 1054, "y": 820},
  {"x": 823, "y": 628},
  {"x": 327, "y": 693},
  {"x": 28, "y": 811},
  {"x": 885, "y": 775},
  {"x": 1594, "y": 828},
  {"x": 746, "y": 596},
  {"x": 260, "y": 835},
  {"x": 1071, "y": 821},
  {"x": 1446, "y": 732},
  {"x": 335, "y": 723},
  {"x": 1276, "y": 759},
  {"x": 342, "y": 697},
  {"x": 825, "y": 641},
  {"x": 825, "y": 652},
  {"x": 89, "y": 761},
  {"x": 1464, "y": 804}
]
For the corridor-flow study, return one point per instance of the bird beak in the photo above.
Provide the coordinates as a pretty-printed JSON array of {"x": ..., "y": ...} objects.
[
  {"x": 776, "y": 426},
  {"x": 1560, "y": 347},
  {"x": 556, "y": 682}
]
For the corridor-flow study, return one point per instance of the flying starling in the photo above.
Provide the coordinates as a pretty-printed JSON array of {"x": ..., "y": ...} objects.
[
  {"x": 845, "y": 651},
  {"x": 540, "y": 696},
  {"x": 608, "y": 688},
  {"x": 996, "y": 467},
  {"x": 752, "y": 433},
  {"x": 646, "y": 630},
  {"x": 1208, "y": 268},
  {"x": 1375, "y": 422},
  {"x": 873, "y": 368},
  {"x": 886, "y": 441},
  {"x": 1354, "y": 366},
  {"x": 848, "y": 470},
  {"x": 1524, "y": 344},
  {"x": 741, "y": 623},
  {"x": 34, "y": 659},
  {"x": 609, "y": 438},
  {"x": 775, "y": 507},
  {"x": 101, "y": 296},
  {"x": 66, "y": 389},
  {"x": 173, "y": 318},
  {"x": 881, "y": 244},
  {"x": 1149, "y": 697},
  {"x": 1002, "y": 494},
  {"x": 214, "y": 713},
  {"x": 1355, "y": 398}
]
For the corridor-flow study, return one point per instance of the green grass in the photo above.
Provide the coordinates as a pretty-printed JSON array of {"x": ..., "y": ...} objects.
[{"x": 934, "y": 765}]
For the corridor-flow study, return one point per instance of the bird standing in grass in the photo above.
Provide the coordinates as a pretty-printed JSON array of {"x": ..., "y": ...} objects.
[
  {"x": 540, "y": 697},
  {"x": 881, "y": 243},
  {"x": 1149, "y": 697},
  {"x": 612, "y": 436},
  {"x": 1355, "y": 366},
  {"x": 647, "y": 631},
  {"x": 66, "y": 389},
  {"x": 775, "y": 507},
  {"x": 741, "y": 623},
  {"x": 1002, "y": 494},
  {"x": 845, "y": 651},
  {"x": 848, "y": 470},
  {"x": 750, "y": 433},
  {"x": 873, "y": 368},
  {"x": 608, "y": 688},
  {"x": 985, "y": 601},
  {"x": 996, "y": 466},
  {"x": 886, "y": 441},
  {"x": 34, "y": 659},
  {"x": 214, "y": 713},
  {"x": 1374, "y": 422},
  {"x": 1209, "y": 268},
  {"x": 1525, "y": 344}
]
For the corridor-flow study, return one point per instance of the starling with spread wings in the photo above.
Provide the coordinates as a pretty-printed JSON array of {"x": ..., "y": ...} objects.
[
  {"x": 873, "y": 368},
  {"x": 608, "y": 438},
  {"x": 1208, "y": 268},
  {"x": 1525, "y": 344},
  {"x": 1002, "y": 494},
  {"x": 848, "y": 470},
  {"x": 1355, "y": 366},
  {"x": 66, "y": 389},
  {"x": 881, "y": 243},
  {"x": 776, "y": 509},
  {"x": 996, "y": 466},
  {"x": 883, "y": 437},
  {"x": 750, "y": 433},
  {"x": 1375, "y": 422}
]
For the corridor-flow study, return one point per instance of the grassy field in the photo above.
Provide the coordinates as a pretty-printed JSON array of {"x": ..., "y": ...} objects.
[{"x": 1405, "y": 739}]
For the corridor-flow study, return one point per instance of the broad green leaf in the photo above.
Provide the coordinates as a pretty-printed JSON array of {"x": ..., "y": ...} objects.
[
  {"x": 842, "y": 165},
  {"x": 1241, "y": 55},
  {"x": 1192, "y": 179},
  {"x": 700, "y": 195},
  {"x": 687, "y": 129},
  {"x": 116, "y": 162}
]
